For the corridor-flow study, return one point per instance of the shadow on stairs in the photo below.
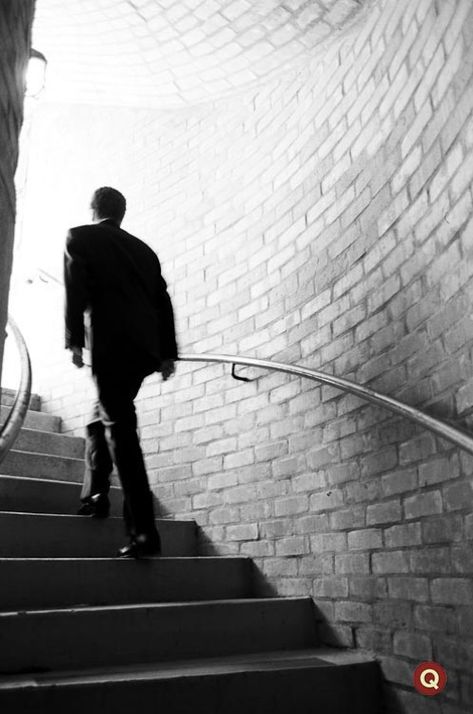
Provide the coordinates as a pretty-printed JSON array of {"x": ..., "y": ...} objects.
[{"x": 180, "y": 634}]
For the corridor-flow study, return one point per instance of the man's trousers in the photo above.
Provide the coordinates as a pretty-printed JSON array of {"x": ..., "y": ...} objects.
[{"x": 112, "y": 438}]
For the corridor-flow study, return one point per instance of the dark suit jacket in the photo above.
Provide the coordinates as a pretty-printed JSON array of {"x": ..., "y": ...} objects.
[{"x": 115, "y": 279}]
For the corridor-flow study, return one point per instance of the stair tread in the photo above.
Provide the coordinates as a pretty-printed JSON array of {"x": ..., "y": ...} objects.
[
  {"x": 48, "y": 481},
  {"x": 154, "y": 605},
  {"x": 8, "y": 395},
  {"x": 36, "y": 420},
  {"x": 54, "y": 434},
  {"x": 42, "y": 453},
  {"x": 115, "y": 519},
  {"x": 158, "y": 559},
  {"x": 264, "y": 661}
]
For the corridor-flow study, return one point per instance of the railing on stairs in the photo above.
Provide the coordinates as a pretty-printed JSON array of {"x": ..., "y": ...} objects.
[
  {"x": 446, "y": 431},
  {"x": 14, "y": 421}
]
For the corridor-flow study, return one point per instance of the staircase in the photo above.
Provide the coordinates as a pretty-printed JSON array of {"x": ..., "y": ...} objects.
[{"x": 81, "y": 631}]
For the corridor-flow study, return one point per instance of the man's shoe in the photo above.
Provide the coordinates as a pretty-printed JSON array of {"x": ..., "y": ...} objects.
[
  {"x": 140, "y": 547},
  {"x": 96, "y": 506}
]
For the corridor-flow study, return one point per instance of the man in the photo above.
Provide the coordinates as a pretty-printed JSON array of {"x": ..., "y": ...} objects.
[{"x": 114, "y": 281}]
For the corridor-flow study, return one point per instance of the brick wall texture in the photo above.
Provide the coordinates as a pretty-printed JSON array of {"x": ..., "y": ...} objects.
[
  {"x": 323, "y": 219},
  {"x": 15, "y": 27}
]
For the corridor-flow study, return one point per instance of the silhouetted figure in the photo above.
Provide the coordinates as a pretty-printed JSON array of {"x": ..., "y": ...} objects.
[{"x": 114, "y": 280}]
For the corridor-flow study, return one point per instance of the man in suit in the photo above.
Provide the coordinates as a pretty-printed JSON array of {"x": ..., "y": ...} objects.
[{"x": 113, "y": 281}]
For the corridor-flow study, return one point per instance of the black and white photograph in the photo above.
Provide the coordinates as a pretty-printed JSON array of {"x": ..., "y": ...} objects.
[{"x": 236, "y": 356}]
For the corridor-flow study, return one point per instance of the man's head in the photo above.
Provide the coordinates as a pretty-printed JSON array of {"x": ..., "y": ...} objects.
[{"x": 108, "y": 203}]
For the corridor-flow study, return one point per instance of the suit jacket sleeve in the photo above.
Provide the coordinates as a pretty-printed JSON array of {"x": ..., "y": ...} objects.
[
  {"x": 168, "y": 331},
  {"x": 76, "y": 297}
]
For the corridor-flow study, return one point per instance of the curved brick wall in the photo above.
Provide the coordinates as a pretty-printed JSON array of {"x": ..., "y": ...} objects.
[{"x": 323, "y": 220}]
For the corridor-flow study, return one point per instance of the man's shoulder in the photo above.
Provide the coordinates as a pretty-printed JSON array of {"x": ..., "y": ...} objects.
[
  {"x": 139, "y": 245},
  {"x": 80, "y": 231},
  {"x": 93, "y": 231}
]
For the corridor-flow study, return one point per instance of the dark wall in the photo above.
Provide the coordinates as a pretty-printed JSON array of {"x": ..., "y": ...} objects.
[{"x": 15, "y": 27}]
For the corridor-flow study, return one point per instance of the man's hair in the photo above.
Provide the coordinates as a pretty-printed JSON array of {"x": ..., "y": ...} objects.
[{"x": 108, "y": 203}]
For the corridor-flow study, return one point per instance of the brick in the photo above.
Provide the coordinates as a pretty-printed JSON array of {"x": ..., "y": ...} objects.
[
  {"x": 207, "y": 500},
  {"x": 242, "y": 532},
  {"x": 349, "y": 320},
  {"x": 434, "y": 619},
  {"x": 403, "y": 535},
  {"x": 323, "y": 542},
  {"x": 224, "y": 515},
  {"x": 241, "y": 494},
  {"x": 369, "y": 638},
  {"x": 382, "y": 460},
  {"x": 291, "y": 506},
  {"x": 356, "y": 563},
  {"x": 295, "y": 545},
  {"x": 347, "y": 519},
  {"x": 365, "y": 539},
  {"x": 384, "y": 294},
  {"x": 383, "y": 513},
  {"x": 414, "y": 133},
  {"x": 309, "y": 482},
  {"x": 316, "y": 565},
  {"x": 415, "y": 646},
  {"x": 224, "y": 480},
  {"x": 443, "y": 529},
  {"x": 317, "y": 458},
  {"x": 409, "y": 588},
  {"x": 281, "y": 568},
  {"x": 438, "y": 471},
  {"x": 431, "y": 561},
  {"x": 417, "y": 449},
  {"x": 243, "y": 458},
  {"x": 455, "y": 653},
  {"x": 399, "y": 482},
  {"x": 332, "y": 587},
  {"x": 448, "y": 169},
  {"x": 462, "y": 559},
  {"x": 423, "y": 504},
  {"x": 207, "y": 466},
  {"x": 457, "y": 495},
  {"x": 353, "y": 612},
  {"x": 390, "y": 562},
  {"x": 452, "y": 591},
  {"x": 396, "y": 670},
  {"x": 258, "y": 549},
  {"x": 326, "y": 501}
]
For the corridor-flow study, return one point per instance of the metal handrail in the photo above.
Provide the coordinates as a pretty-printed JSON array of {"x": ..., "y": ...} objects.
[
  {"x": 446, "y": 431},
  {"x": 14, "y": 421}
]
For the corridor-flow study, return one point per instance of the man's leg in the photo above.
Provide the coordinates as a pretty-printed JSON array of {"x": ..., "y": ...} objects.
[
  {"x": 116, "y": 394},
  {"x": 98, "y": 467}
]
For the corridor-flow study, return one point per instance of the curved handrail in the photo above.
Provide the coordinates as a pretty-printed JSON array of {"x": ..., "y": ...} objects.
[
  {"x": 14, "y": 421},
  {"x": 452, "y": 434}
]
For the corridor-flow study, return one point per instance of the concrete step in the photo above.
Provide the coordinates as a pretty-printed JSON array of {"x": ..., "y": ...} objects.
[
  {"x": 25, "y": 463},
  {"x": 7, "y": 397},
  {"x": 35, "y": 420},
  {"x": 306, "y": 681},
  {"x": 42, "y": 442},
  {"x": 35, "y": 641},
  {"x": 31, "y": 535},
  {"x": 40, "y": 583},
  {"x": 35, "y": 495}
]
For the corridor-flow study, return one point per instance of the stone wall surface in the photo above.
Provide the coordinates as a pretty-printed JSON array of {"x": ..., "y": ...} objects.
[
  {"x": 323, "y": 219},
  {"x": 15, "y": 26}
]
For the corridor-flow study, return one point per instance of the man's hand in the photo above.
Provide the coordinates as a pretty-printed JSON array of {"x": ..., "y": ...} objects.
[
  {"x": 167, "y": 368},
  {"x": 77, "y": 357}
]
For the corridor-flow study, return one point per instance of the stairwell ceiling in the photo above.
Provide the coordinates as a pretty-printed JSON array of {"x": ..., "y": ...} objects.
[{"x": 174, "y": 53}]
